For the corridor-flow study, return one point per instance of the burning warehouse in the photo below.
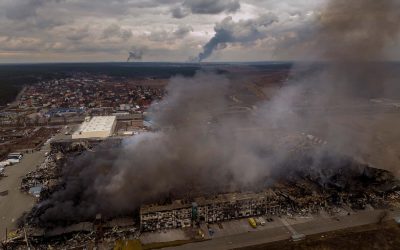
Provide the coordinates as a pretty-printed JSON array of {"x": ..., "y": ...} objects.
[
  {"x": 210, "y": 210},
  {"x": 296, "y": 194},
  {"x": 192, "y": 155}
]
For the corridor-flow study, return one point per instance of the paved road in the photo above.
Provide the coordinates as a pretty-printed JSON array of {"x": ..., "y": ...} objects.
[
  {"x": 13, "y": 205},
  {"x": 282, "y": 232}
]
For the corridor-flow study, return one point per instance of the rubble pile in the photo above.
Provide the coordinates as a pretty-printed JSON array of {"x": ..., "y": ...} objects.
[
  {"x": 84, "y": 235},
  {"x": 302, "y": 192},
  {"x": 304, "y": 186},
  {"x": 337, "y": 182},
  {"x": 45, "y": 176}
]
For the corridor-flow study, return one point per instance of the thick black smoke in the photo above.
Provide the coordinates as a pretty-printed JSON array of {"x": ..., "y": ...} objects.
[{"x": 198, "y": 149}]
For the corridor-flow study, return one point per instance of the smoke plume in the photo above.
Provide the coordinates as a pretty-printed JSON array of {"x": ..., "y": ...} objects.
[
  {"x": 352, "y": 39},
  {"x": 354, "y": 36},
  {"x": 193, "y": 152},
  {"x": 199, "y": 148},
  {"x": 243, "y": 31},
  {"x": 136, "y": 54}
]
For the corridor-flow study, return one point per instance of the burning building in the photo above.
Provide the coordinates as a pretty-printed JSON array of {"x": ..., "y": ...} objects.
[{"x": 223, "y": 207}]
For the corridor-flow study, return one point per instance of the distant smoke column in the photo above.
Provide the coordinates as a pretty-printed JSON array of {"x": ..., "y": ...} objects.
[
  {"x": 243, "y": 31},
  {"x": 135, "y": 55},
  {"x": 221, "y": 36}
]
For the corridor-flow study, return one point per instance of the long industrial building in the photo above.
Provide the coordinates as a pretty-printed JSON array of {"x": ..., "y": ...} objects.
[
  {"x": 182, "y": 214},
  {"x": 96, "y": 127}
]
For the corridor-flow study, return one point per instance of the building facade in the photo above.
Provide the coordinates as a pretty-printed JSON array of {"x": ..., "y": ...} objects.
[{"x": 223, "y": 207}]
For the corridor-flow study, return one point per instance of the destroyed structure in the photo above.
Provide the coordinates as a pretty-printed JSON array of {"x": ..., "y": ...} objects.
[
  {"x": 215, "y": 209},
  {"x": 303, "y": 196},
  {"x": 302, "y": 191}
]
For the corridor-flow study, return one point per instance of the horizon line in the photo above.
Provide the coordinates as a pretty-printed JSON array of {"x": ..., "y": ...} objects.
[{"x": 182, "y": 62}]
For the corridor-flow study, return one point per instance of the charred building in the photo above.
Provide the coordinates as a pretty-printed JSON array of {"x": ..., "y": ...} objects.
[{"x": 223, "y": 207}]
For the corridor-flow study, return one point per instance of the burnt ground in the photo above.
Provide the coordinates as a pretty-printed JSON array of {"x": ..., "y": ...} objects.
[{"x": 375, "y": 236}]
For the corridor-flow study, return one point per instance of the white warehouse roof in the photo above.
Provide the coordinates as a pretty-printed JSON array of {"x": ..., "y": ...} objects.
[{"x": 97, "y": 126}]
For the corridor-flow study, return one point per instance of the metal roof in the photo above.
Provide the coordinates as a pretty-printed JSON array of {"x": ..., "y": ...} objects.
[{"x": 98, "y": 123}]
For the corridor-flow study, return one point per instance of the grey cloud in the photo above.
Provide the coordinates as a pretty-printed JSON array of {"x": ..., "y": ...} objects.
[
  {"x": 158, "y": 36},
  {"x": 170, "y": 35},
  {"x": 20, "y": 44},
  {"x": 205, "y": 7},
  {"x": 149, "y": 23},
  {"x": 179, "y": 12},
  {"x": 182, "y": 31},
  {"x": 212, "y": 6},
  {"x": 114, "y": 30},
  {"x": 20, "y": 9},
  {"x": 78, "y": 34}
]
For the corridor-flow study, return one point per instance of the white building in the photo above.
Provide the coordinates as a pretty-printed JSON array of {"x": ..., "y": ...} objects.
[{"x": 96, "y": 127}]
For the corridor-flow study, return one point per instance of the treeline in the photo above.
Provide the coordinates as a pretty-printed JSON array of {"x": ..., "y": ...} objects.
[{"x": 14, "y": 77}]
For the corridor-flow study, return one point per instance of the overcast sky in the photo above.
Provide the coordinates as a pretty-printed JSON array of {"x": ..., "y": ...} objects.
[{"x": 154, "y": 30}]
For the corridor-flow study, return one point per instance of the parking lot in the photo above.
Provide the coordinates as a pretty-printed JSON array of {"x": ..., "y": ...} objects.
[
  {"x": 163, "y": 236},
  {"x": 15, "y": 203}
]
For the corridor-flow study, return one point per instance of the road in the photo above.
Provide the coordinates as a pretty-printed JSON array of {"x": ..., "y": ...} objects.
[
  {"x": 283, "y": 232},
  {"x": 13, "y": 205}
]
